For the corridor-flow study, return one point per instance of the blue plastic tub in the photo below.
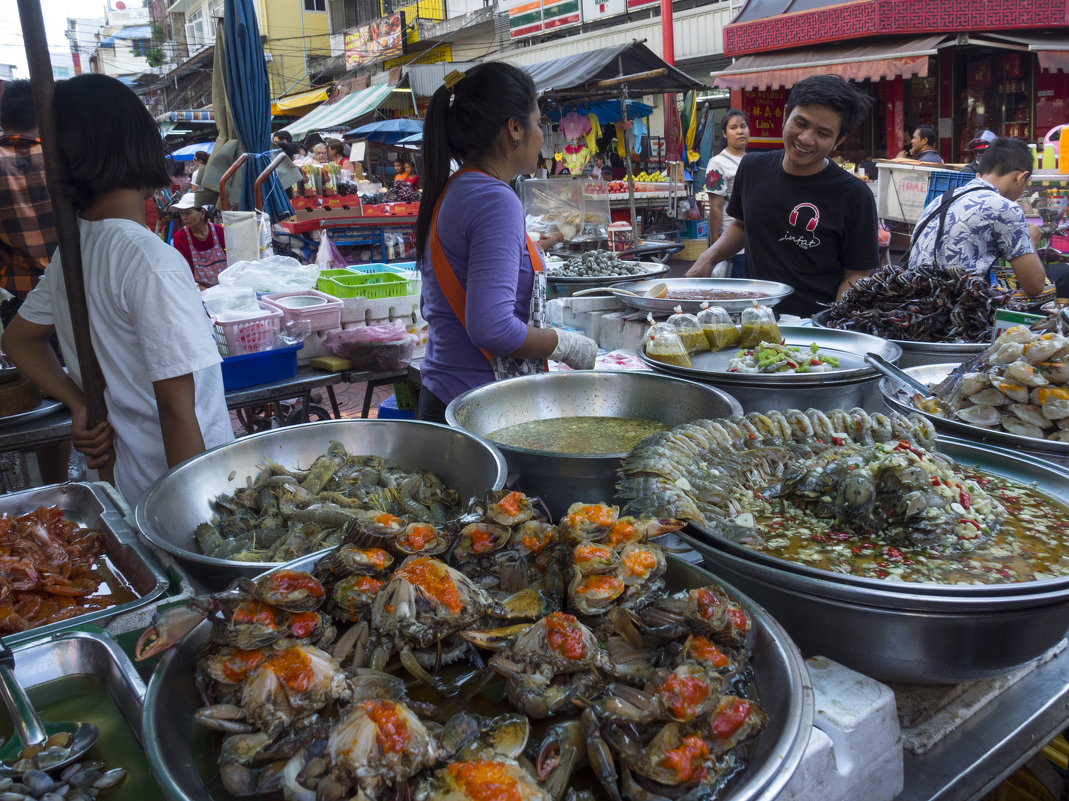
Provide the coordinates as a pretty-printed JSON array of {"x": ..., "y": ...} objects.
[
  {"x": 388, "y": 410},
  {"x": 940, "y": 181},
  {"x": 264, "y": 367}
]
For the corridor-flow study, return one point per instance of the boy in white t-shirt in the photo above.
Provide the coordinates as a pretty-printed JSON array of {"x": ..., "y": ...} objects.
[{"x": 149, "y": 329}]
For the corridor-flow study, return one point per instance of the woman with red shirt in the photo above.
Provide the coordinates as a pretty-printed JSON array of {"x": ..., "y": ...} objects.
[
  {"x": 410, "y": 176},
  {"x": 200, "y": 242}
]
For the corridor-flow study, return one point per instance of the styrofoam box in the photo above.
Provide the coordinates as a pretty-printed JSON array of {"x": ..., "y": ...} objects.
[{"x": 902, "y": 191}]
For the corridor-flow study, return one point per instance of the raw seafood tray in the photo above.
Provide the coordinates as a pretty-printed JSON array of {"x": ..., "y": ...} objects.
[{"x": 89, "y": 507}]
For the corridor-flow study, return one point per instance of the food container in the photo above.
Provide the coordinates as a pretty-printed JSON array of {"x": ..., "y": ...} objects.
[
  {"x": 322, "y": 311},
  {"x": 561, "y": 479},
  {"x": 916, "y": 353},
  {"x": 88, "y": 506},
  {"x": 621, "y": 236},
  {"x": 769, "y": 293},
  {"x": 85, "y": 676},
  {"x": 355, "y": 285},
  {"x": 180, "y": 499},
  {"x": 183, "y": 757},
  {"x": 240, "y": 332},
  {"x": 854, "y": 383},
  {"x": 908, "y": 632},
  {"x": 262, "y": 367}
]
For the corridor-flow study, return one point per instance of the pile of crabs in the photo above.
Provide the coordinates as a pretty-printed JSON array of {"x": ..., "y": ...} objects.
[{"x": 601, "y": 666}]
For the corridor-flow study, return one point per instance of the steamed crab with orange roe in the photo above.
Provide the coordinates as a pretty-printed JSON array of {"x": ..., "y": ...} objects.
[{"x": 646, "y": 690}]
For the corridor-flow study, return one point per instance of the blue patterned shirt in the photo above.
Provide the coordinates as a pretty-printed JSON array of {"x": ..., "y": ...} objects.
[{"x": 981, "y": 228}]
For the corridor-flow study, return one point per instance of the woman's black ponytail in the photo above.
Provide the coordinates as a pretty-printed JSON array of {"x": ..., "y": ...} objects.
[{"x": 463, "y": 122}]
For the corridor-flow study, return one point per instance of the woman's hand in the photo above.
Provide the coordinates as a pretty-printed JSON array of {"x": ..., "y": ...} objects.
[{"x": 97, "y": 444}]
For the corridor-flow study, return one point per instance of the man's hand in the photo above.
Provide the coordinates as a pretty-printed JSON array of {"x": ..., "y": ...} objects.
[
  {"x": 702, "y": 267},
  {"x": 97, "y": 444},
  {"x": 730, "y": 242},
  {"x": 1034, "y": 234}
]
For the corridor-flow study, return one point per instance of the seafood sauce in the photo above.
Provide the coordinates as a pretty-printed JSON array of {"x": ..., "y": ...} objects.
[
  {"x": 578, "y": 434},
  {"x": 1032, "y": 543}
]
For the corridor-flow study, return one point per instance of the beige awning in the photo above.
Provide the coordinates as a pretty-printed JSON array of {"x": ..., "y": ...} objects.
[
  {"x": 856, "y": 62},
  {"x": 299, "y": 101}
]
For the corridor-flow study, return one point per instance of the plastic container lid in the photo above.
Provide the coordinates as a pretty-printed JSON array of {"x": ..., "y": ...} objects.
[{"x": 300, "y": 301}]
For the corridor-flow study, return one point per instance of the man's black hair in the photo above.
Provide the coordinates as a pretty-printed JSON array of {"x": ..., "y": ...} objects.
[
  {"x": 103, "y": 152},
  {"x": 834, "y": 92},
  {"x": 1005, "y": 155},
  {"x": 283, "y": 136},
  {"x": 928, "y": 135},
  {"x": 16, "y": 108},
  {"x": 201, "y": 156}
]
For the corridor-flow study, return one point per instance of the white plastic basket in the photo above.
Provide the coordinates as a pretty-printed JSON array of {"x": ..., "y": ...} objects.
[{"x": 238, "y": 333}]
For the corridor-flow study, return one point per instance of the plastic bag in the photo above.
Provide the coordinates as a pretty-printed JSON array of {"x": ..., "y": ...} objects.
[
  {"x": 718, "y": 328},
  {"x": 374, "y": 347},
  {"x": 758, "y": 325},
  {"x": 218, "y": 299},
  {"x": 273, "y": 274},
  {"x": 663, "y": 344},
  {"x": 328, "y": 257}
]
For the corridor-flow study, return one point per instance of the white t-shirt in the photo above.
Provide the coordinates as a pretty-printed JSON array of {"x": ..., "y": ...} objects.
[
  {"x": 148, "y": 324},
  {"x": 719, "y": 180}
]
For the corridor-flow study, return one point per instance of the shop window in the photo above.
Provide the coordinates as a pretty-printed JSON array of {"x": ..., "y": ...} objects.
[
  {"x": 139, "y": 47},
  {"x": 993, "y": 95},
  {"x": 315, "y": 5}
]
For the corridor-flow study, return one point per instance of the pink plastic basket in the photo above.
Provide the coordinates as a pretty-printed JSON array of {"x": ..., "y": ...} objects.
[
  {"x": 321, "y": 310},
  {"x": 236, "y": 337}
]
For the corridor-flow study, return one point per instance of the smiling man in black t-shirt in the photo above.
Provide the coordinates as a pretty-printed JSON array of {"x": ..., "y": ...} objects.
[{"x": 802, "y": 219}]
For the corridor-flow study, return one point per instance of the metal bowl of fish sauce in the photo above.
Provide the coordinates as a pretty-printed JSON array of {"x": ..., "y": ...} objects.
[
  {"x": 183, "y": 756},
  {"x": 913, "y": 632},
  {"x": 854, "y": 383},
  {"x": 561, "y": 479},
  {"x": 896, "y": 398},
  {"x": 916, "y": 353},
  {"x": 181, "y": 499}
]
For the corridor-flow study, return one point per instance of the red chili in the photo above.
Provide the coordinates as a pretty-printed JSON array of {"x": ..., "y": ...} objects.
[
  {"x": 936, "y": 481},
  {"x": 966, "y": 500},
  {"x": 838, "y": 441}
]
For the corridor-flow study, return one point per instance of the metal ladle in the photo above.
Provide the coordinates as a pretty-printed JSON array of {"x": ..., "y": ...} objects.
[
  {"x": 658, "y": 290},
  {"x": 30, "y": 730}
]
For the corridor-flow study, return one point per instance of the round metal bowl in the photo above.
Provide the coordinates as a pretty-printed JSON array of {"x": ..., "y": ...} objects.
[
  {"x": 183, "y": 756},
  {"x": 897, "y": 398},
  {"x": 180, "y": 499},
  {"x": 914, "y": 353},
  {"x": 771, "y": 293},
  {"x": 854, "y": 384},
  {"x": 561, "y": 479},
  {"x": 908, "y": 632}
]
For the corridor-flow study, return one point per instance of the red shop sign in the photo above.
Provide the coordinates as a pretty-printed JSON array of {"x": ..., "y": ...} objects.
[{"x": 765, "y": 111}]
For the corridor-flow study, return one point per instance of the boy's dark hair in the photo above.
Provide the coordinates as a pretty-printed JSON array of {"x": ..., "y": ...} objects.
[
  {"x": 835, "y": 93},
  {"x": 102, "y": 152},
  {"x": 1005, "y": 155},
  {"x": 283, "y": 136},
  {"x": 289, "y": 148},
  {"x": 928, "y": 135},
  {"x": 201, "y": 156},
  {"x": 16, "y": 108},
  {"x": 463, "y": 123},
  {"x": 733, "y": 112}
]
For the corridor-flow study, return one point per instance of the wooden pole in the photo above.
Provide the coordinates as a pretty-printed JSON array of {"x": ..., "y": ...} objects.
[
  {"x": 627, "y": 159},
  {"x": 66, "y": 219}
]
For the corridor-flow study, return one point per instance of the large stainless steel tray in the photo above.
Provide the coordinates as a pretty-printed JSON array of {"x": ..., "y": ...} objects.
[
  {"x": 46, "y": 407},
  {"x": 848, "y": 347},
  {"x": 772, "y": 292},
  {"x": 650, "y": 269},
  {"x": 183, "y": 757},
  {"x": 898, "y": 399},
  {"x": 181, "y": 499},
  {"x": 914, "y": 353},
  {"x": 911, "y": 632},
  {"x": 88, "y": 674},
  {"x": 88, "y": 506}
]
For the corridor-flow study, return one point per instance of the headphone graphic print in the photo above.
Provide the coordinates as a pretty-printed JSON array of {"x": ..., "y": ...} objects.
[{"x": 812, "y": 224}]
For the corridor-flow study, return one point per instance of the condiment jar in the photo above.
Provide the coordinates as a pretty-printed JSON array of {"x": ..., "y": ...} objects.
[
  {"x": 689, "y": 330},
  {"x": 719, "y": 330},
  {"x": 758, "y": 325},
  {"x": 663, "y": 344}
]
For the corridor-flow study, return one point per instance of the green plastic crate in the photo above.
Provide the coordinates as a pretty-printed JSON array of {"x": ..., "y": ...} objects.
[
  {"x": 355, "y": 285},
  {"x": 324, "y": 275}
]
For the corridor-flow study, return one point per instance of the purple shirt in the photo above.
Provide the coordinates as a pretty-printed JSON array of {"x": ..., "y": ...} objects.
[{"x": 481, "y": 226}]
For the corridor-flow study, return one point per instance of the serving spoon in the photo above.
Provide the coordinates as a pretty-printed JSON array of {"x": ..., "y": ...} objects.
[
  {"x": 30, "y": 730},
  {"x": 658, "y": 290}
]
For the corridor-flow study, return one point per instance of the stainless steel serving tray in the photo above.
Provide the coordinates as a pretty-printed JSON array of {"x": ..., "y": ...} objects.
[
  {"x": 772, "y": 292},
  {"x": 914, "y": 353},
  {"x": 181, "y": 499},
  {"x": 182, "y": 755},
  {"x": 849, "y": 347},
  {"x": 898, "y": 399},
  {"x": 651, "y": 269},
  {"x": 46, "y": 407},
  {"x": 88, "y": 506}
]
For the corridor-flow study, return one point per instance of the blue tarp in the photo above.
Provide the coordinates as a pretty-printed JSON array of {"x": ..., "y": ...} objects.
[
  {"x": 136, "y": 32},
  {"x": 608, "y": 111},
  {"x": 187, "y": 152},
  {"x": 389, "y": 132},
  {"x": 248, "y": 95}
]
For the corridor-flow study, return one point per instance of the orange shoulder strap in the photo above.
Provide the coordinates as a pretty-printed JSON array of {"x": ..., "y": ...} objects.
[{"x": 447, "y": 279}]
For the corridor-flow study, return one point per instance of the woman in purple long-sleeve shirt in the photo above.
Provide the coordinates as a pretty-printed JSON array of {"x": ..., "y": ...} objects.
[{"x": 470, "y": 233}]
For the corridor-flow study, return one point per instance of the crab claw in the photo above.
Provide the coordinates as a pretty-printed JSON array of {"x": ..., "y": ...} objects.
[
  {"x": 495, "y": 639},
  {"x": 167, "y": 630}
]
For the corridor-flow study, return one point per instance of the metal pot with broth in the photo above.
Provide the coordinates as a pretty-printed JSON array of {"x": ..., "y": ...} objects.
[{"x": 578, "y": 434}]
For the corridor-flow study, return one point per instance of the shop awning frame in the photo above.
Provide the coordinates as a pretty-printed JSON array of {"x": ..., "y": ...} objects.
[
  {"x": 342, "y": 112},
  {"x": 1051, "y": 50},
  {"x": 857, "y": 62},
  {"x": 577, "y": 77}
]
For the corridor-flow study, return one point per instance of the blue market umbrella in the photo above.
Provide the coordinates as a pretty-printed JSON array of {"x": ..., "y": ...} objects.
[
  {"x": 187, "y": 152},
  {"x": 248, "y": 95},
  {"x": 415, "y": 139},
  {"x": 388, "y": 132}
]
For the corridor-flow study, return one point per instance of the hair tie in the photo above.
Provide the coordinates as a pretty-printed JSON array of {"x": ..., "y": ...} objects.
[{"x": 453, "y": 78}]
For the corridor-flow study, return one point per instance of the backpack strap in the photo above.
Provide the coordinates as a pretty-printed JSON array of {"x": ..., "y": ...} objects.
[{"x": 948, "y": 199}]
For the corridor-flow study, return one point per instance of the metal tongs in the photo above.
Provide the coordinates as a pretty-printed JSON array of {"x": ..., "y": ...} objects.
[{"x": 903, "y": 379}]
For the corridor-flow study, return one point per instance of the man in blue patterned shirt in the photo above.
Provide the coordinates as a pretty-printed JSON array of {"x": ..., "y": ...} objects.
[{"x": 984, "y": 224}]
